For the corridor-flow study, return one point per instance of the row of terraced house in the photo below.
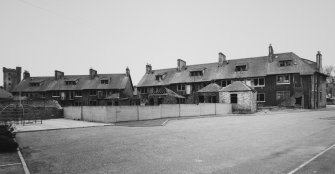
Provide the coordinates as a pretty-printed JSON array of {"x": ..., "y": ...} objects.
[{"x": 279, "y": 79}]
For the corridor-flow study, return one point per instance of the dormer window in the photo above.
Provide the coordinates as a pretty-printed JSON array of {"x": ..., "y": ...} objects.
[
  {"x": 158, "y": 77},
  {"x": 284, "y": 63},
  {"x": 196, "y": 73},
  {"x": 34, "y": 84},
  {"x": 70, "y": 83},
  {"x": 104, "y": 82},
  {"x": 241, "y": 68}
]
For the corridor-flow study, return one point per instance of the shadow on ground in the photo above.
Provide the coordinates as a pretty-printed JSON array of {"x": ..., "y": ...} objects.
[{"x": 146, "y": 123}]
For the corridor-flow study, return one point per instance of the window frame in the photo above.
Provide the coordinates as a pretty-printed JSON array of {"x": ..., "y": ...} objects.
[
  {"x": 258, "y": 97},
  {"x": 283, "y": 83},
  {"x": 181, "y": 87},
  {"x": 104, "y": 82},
  {"x": 258, "y": 82},
  {"x": 285, "y": 63},
  {"x": 196, "y": 73},
  {"x": 226, "y": 82},
  {"x": 239, "y": 68}
]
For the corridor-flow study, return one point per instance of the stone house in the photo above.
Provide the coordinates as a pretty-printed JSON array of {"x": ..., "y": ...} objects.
[
  {"x": 76, "y": 90},
  {"x": 242, "y": 97},
  {"x": 283, "y": 79}
]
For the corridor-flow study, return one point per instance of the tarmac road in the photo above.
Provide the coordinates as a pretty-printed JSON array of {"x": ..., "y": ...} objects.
[{"x": 235, "y": 144}]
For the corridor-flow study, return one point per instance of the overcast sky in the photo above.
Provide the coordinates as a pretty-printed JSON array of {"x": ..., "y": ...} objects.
[{"x": 74, "y": 35}]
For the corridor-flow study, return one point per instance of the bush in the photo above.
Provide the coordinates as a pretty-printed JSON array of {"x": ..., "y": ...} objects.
[
  {"x": 7, "y": 130},
  {"x": 7, "y": 144}
]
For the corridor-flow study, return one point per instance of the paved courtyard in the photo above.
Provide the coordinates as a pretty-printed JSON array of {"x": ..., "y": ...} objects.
[{"x": 235, "y": 144}]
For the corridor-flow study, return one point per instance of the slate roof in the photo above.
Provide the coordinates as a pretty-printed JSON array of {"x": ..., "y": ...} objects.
[
  {"x": 237, "y": 86},
  {"x": 5, "y": 95},
  {"x": 116, "y": 81},
  {"x": 256, "y": 67},
  {"x": 213, "y": 87}
]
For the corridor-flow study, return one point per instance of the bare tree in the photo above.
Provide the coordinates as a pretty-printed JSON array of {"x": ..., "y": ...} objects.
[{"x": 329, "y": 69}]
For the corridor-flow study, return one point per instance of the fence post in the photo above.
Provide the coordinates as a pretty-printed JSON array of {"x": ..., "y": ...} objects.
[
  {"x": 179, "y": 110},
  {"x": 215, "y": 109},
  {"x": 115, "y": 113},
  {"x": 138, "y": 113},
  {"x": 81, "y": 113}
]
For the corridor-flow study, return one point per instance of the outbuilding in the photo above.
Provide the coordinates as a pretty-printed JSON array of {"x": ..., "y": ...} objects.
[{"x": 241, "y": 96}]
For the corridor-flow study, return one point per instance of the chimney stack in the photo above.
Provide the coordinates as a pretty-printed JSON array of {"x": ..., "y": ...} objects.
[
  {"x": 18, "y": 72},
  {"x": 181, "y": 65},
  {"x": 93, "y": 73},
  {"x": 271, "y": 54},
  {"x": 222, "y": 59},
  {"x": 26, "y": 74},
  {"x": 127, "y": 71},
  {"x": 58, "y": 74},
  {"x": 148, "y": 69},
  {"x": 319, "y": 61}
]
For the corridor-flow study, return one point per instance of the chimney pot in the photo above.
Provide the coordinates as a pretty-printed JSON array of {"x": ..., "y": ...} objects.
[{"x": 127, "y": 71}]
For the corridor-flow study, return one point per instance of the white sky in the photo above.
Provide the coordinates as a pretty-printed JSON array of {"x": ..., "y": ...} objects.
[{"x": 74, "y": 35}]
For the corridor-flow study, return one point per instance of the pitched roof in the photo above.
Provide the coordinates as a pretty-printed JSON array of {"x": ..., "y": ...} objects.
[
  {"x": 213, "y": 87},
  {"x": 237, "y": 86},
  {"x": 256, "y": 67},
  {"x": 167, "y": 91},
  {"x": 5, "y": 95},
  {"x": 116, "y": 81}
]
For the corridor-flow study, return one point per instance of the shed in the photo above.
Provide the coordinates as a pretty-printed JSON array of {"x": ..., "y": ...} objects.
[
  {"x": 209, "y": 93},
  {"x": 241, "y": 96}
]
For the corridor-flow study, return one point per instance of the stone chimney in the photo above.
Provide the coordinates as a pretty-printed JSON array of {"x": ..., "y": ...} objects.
[
  {"x": 58, "y": 74},
  {"x": 127, "y": 71},
  {"x": 181, "y": 65},
  {"x": 93, "y": 73},
  {"x": 148, "y": 69},
  {"x": 26, "y": 74},
  {"x": 319, "y": 61},
  {"x": 222, "y": 59},
  {"x": 18, "y": 72},
  {"x": 271, "y": 54}
]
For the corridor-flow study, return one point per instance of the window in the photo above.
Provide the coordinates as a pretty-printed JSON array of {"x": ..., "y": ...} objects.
[
  {"x": 180, "y": 87},
  {"x": 144, "y": 90},
  {"x": 258, "y": 82},
  {"x": 70, "y": 95},
  {"x": 201, "y": 99},
  {"x": 77, "y": 93},
  {"x": 180, "y": 100},
  {"x": 158, "y": 77},
  {"x": 261, "y": 97},
  {"x": 284, "y": 63},
  {"x": 225, "y": 83},
  {"x": 8, "y": 78},
  {"x": 9, "y": 84},
  {"x": 283, "y": 79},
  {"x": 100, "y": 94},
  {"x": 33, "y": 84},
  {"x": 211, "y": 99},
  {"x": 77, "y": 103},
  {"x": 196, "y": 73},
  {"x": 70, "y": 82},
  {"x": 233, "y": 98},
  {"x": 42, "y": 94},
  {"x": 93, "y": 103},
  {"x": 282, "y": 95},
  {"x": 104, "y": 82},
  {"x": 241, "y": 68},
  {"x": 55, "y": 93},
  {"x": 93, "y": 92}
]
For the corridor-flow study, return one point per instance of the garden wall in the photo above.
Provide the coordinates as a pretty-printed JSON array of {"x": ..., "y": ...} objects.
[{"x": 111, "y": 114}]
